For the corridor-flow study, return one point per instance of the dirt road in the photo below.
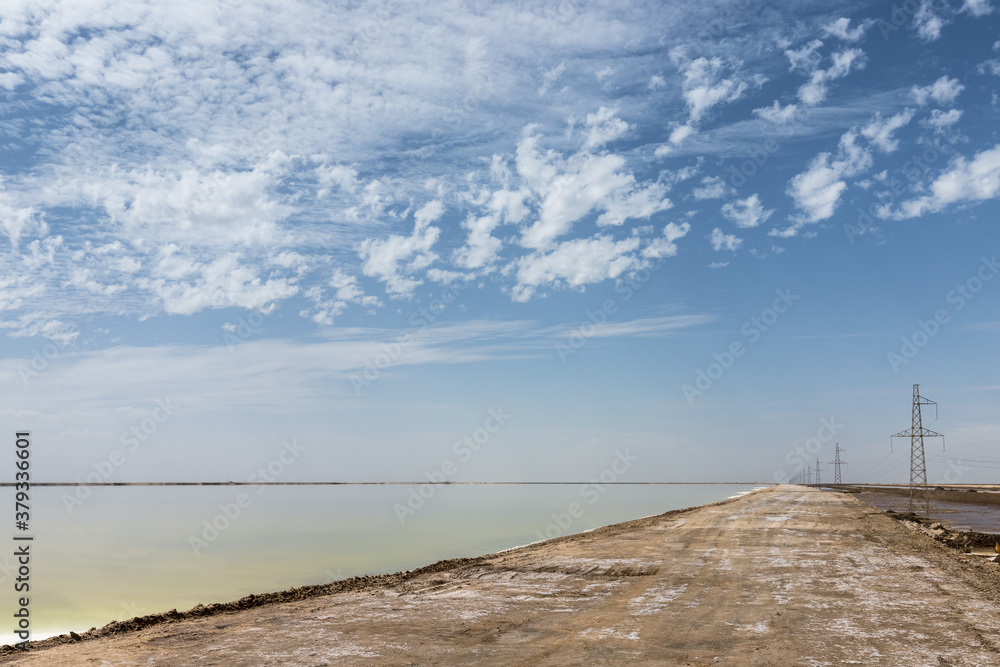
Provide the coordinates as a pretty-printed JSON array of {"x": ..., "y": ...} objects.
[{"x": 783, "y": 576}]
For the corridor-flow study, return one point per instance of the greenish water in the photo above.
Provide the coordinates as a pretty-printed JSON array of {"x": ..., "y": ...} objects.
[{"x": 129, "y": 551}]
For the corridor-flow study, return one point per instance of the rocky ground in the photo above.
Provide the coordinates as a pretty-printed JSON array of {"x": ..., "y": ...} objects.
[{"x": 787, "y": 575}]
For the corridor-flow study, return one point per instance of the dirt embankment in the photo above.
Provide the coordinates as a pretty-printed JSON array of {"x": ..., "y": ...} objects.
[
  {"x": 943, "y": 494},
  {"x": 787, "y": 575}
]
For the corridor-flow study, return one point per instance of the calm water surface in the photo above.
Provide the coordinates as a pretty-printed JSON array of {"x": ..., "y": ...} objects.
[{"x": 128, "y": 551}]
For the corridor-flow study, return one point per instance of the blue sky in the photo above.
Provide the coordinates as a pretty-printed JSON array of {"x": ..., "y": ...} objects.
[{"x": 364, "y": 228}]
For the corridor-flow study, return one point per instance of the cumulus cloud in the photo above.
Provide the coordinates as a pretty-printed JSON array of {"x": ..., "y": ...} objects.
[
  {"x": 964, "y": 180},
  {"x": 722, "y": 241},
  {"x": 712, "y": 187},
  {"x": 991, "y": 66},
  {"x": 942, "y": 91},
  {"x": 805, "y": 58},
  {"x": 814, "y": 91},
  {"x": 186, "y": 285},
  {"x": 927, "y": 22},
  {"x": 575, "y": 263},
  {"x": 603, "y": 127},
  {"x": 19, "y": 221},
  {"x": 748, "y": 212},
  {"x": 394, "y": 259},
  {"x": 345, "y": 291},
  {"x": 665, "y": 245},
  {"x": 940, "y": 120},
  {"x": 841, "y": 29},
  {"x": 879, "y": 130},
  {"x": 777, "y": 114},
  {"x": 570, "y": 188},
  {"x": 705, "y": 86},
  {"x": 708, "y": 82},
  {"x": 977, "y": 7},
  {"x": 817, "y": 190}
]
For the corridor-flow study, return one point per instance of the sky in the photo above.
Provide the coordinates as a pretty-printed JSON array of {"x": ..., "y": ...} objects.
[{"x": 499, "y": 241}]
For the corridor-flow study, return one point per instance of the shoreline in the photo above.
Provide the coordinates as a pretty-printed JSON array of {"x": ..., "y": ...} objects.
[{"x": 348, "y": 585}]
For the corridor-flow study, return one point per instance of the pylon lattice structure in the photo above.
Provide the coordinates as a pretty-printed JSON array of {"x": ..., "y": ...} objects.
[
  {"x": 817, "y": 472},
  {"x": 836, "y": 463},
  {"x": 916, "y": 433}
]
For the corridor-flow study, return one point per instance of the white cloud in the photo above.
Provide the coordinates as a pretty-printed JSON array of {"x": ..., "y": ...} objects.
[
  {"x": 814, "y": 91},
  {"x": 879, "y": 131},
  {"x": 841, "y": 28},
  {"x": 942, "y": 91},
  {"x": 186, "y": 285},
  {"x": 549, "y": 77},
  {"x": 17, "y": 221},
  {"x": 991, "y": 66},
  {"x": 575, "y": 263},
  {"x": 977, "y": 7},
  {"x": 656, "y": 81},
  {"x": 345, "y": 291},
  {"x": 344, "y": 177},
  {"x": 39, "y": 323},
  {"x": 603, "y": 127},
  {"x": 394, "y": 259},
  {"x": 722, "y": 241},
  {"x": 680, "y": 133},
  {"x": 747, "y": 212},
  {"x": 965, "y": 180},
  {"x": 927, "y": 22},
  {"x": 573, "y": 187},
  {"x": 704, "y": 85},
  {"x": 940, "y": 120},
  {"x": 481, "y": 247},
  {"x": 712, "y": 187},
  {"x": 665, "y": 245},
  {"x": 776, "y": 113},
  {"x": 817, "y": 190},
  {"x": 805, "y": 58}
]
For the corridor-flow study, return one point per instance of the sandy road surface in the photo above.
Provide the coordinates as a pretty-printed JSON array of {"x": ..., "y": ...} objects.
[{"x": 783, "y": 576}]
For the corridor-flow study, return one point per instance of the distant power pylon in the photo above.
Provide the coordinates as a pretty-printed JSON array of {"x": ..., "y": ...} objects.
[
  {"x": 836, "y": 463},
  {"x": 809, "y": 475},
  {"x": 916, "y": 433},
  {"x": 817, "y": 471}
]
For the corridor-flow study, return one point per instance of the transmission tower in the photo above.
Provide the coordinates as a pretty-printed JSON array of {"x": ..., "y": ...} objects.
[
  {"x": 817, "y": 471},
  {"x": 809, "y": 475},
  {"x": 916, "y": 433},
  {"x": 836, "y": 463}
]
